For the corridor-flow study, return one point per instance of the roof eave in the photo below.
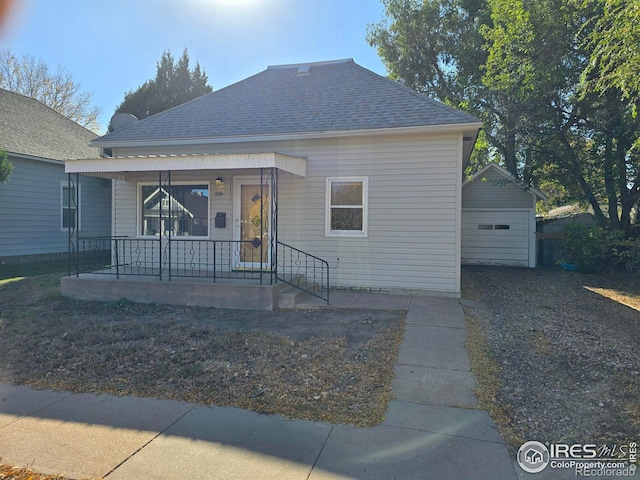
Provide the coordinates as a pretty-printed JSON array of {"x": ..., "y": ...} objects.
[
  {"x": 36, "y": 158},
  {"x": 443, "y": 128}
]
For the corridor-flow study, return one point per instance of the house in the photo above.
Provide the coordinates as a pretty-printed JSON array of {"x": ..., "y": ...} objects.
[
  {"x": 498, "y": 219},
  {"x": 312, "y": 172},
  {"x": 533, "y": 456},
  {"x": 35, "y": 201}
]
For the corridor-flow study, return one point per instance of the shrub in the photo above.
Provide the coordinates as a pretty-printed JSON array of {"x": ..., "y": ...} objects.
[{"x": 593, "y": 249}]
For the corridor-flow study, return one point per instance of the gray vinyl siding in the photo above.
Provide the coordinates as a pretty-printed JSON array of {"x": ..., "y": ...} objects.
[
  {"x": 30, "y": 217},
  {"x": 413, "y": 240},
  {"x": 492, "y": 190}
]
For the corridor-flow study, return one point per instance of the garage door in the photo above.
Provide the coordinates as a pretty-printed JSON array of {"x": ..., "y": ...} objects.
[{"x": 492, "y": 237}]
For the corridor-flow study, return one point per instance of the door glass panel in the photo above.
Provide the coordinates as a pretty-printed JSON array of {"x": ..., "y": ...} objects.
[{"x": 254, "y": 223}]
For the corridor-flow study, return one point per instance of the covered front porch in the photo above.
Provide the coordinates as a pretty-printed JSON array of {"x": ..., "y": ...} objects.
[{"x": 189, "y": 223}]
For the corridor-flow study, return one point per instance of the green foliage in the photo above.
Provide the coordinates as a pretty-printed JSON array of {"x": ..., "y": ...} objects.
[
  {"x": 593, "y": 249},
  {"x": 615, "y": 39},
  {"x": 540, "y": 75},
  {"x": 174, "y": 84},
  {"x": 6, "y": 167}
]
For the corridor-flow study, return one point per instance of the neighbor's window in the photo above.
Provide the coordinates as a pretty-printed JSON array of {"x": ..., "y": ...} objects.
[
  {"x": 180, "y": 210},
  {"x": 69, "y": 211},
  {"x": 346, "y": 210}
]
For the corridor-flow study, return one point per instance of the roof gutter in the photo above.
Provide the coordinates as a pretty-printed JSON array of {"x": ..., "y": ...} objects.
[{"x": 430, "y": 129}]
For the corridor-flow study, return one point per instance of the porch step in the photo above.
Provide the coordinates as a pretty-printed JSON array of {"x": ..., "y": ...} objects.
[{"x": 290, "y": 297}]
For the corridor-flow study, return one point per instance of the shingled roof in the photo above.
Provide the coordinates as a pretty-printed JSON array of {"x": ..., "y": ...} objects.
[
  {"x": 28, "y": 127},
  {"x": 335, "y": 96}
]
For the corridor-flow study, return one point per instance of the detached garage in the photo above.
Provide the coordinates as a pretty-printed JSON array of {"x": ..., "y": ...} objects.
[{"x": 498, "y": 220}]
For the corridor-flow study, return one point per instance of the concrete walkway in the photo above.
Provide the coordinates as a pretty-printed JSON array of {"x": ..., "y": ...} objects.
[{"x": 431, "y": 430}]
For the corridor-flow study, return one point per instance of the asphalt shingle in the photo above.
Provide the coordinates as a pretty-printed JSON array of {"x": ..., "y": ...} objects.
[
  {"x": 28, "y": 127},
  {"x": 334, "y": 96}
]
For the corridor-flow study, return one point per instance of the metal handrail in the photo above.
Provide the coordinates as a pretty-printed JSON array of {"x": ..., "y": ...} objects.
[{"x": 303, "y": 271}]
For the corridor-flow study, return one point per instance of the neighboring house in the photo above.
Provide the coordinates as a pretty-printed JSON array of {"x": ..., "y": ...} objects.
[
  {"x": 34, "y": 220},
  {"x": 329, "y": 159},
  {"x": 498, "y": 219}
]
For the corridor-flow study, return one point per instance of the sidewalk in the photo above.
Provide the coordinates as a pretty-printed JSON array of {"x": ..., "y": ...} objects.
[{"x": 431, "y": 431}]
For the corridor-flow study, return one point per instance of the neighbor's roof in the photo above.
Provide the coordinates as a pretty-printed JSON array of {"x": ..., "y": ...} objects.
[
  {"x": 325, "y": 97},
  {"x": 28, "y": 127}
]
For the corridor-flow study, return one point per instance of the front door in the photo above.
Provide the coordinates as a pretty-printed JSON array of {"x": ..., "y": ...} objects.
[{"x": 252, "y": 219}]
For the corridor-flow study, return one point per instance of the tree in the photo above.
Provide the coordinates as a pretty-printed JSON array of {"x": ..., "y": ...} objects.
[
  {"x": 33, "y": 78},
  {"x": 174, "y": 84},
  {"x": 436, "y": 47},
  {"x": 525, "y": 71},
  {"x": 615, "y": 42},
  {"x": 5, "y": 167},
  {"x": 540, "y": 55}
]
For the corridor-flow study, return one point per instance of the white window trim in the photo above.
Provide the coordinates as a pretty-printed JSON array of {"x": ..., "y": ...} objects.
[
  {"x": 155, "y": 184},
  {"x": 63, "y": 185},
  {"x": 365, "y": 208}
]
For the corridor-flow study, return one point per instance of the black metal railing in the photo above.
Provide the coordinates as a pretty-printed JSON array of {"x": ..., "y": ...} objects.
[
  {"x": 199, "y": 258},
  {"x": 151, "y": 257},
  {"x": 303, "y": 271}
]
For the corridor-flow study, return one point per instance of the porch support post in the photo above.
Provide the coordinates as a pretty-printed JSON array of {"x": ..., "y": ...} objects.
[
  {"x": 69, "y": 246},
  {"x": 76, "y": 223},
  {"x": 169, "y": 194},
  {"x": 273, "y": 238},
  {"x": 159, "y": 225},
  {"x": 73, "y": 218},
  {"x": 164, "y": 226},
  {"x": 261, "y": 222}
]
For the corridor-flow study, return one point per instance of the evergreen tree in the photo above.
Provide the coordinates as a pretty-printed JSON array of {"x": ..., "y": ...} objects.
[{"x": 174, "y": 84}]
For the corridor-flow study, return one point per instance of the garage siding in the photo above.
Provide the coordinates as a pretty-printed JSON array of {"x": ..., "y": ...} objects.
[
  {"x": 498, "y": 220},
  {"x": 492, "y": 190},
  {"x": 495, "y": 237}
]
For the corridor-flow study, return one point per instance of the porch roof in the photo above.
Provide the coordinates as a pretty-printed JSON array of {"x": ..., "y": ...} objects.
[{"x": 118, "y": 167}]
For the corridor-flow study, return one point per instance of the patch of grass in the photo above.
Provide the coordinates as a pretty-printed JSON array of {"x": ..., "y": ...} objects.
[
  {"x": 8, "y": 472},
  {"x": 324, "y": 365},
  {"x": 487, "y": 371}
]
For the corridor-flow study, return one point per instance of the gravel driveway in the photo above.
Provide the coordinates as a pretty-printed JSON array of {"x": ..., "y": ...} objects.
[{"x": 557, "y": 354}]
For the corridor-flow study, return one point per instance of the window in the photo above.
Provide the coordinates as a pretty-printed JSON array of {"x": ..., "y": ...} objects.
[
  {"x": 69, "y": 207},
  {"x": 181, "y": 210},
  {"x": 502, "y": 227},
  {"x": 346, "y": 208}
]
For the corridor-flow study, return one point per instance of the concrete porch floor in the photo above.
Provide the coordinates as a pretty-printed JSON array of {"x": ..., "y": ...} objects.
[{"x": 203, "y": 292}]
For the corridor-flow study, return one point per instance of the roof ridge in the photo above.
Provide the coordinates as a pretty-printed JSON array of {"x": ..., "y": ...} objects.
[{"x": 310, "y": 64}]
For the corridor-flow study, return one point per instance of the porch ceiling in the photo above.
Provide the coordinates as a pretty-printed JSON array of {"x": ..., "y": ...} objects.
[{"x": 118, "y": 167}]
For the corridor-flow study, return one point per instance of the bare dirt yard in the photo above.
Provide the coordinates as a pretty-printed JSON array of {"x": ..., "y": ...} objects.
[
  {"x": 324, "y": 365},
  {"x": 557, "y": 354}
]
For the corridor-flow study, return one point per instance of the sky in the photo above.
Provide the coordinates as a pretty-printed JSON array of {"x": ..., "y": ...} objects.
[{"x": 112, "y": 46}]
